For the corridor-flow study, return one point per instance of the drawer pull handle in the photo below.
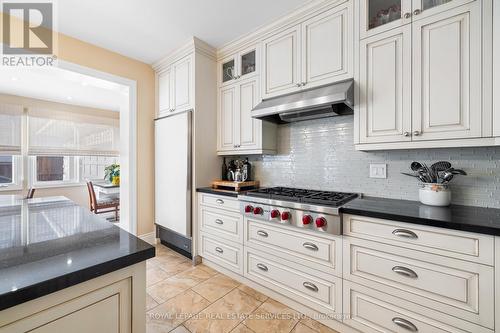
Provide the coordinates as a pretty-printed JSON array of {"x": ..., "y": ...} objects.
[
  {"x": 218, "y": 249},
  {"x": 220, "y": 201},
  {"x": 405, "y": 271},
  {"x": 310, "y": 246},
  {"x": 219, "y": 221},
  {"x": 403, "y": 323},
  {"x": 262, "y": 267},
  {"x": 262, "y": 233},
  {"x": 405, "y": 233},
  {"x": 310, "y": 286}
]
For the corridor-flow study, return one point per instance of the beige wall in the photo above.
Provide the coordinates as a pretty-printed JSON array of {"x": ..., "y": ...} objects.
[{"x": 88, "y": 55}]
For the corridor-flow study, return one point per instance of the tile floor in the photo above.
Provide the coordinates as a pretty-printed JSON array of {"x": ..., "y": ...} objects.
[{"x": 182, "y": 299}]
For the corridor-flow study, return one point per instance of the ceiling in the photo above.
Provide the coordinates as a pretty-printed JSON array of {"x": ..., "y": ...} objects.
[
  {"x": 62, "y": 86},
  {"x": 150, "y": 30}
]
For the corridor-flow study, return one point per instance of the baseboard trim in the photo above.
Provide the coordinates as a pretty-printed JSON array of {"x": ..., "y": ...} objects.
[{"x": 149, "y": 238}]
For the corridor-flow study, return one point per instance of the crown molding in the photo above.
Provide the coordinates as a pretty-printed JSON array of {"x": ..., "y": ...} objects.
[{"x": 194, "y": 45}]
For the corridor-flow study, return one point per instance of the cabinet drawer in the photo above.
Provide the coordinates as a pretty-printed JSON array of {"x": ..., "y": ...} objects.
[
  {"x": 453, "y": 286},
  {"x": 369, "y": 311},
  {"x": 314, "y": 289},
  {"x": 220, "y": 201},
  {"x": 316, "y": 252},
  {"x": 456, "y": 244},
  {"x": 222, "y": 252},
  {"x": 222, "y": 223}
]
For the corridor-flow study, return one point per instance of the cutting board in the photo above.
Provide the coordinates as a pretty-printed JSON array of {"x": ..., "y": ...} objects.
[{"x": 235, "y": 186}]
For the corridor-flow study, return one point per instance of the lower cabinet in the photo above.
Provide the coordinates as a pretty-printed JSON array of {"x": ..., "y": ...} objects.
[
  {"x": 112, "y": 303},
  {"x": 222, "y": 252},
  {"x": 319, "y": 291},
  {"x": 369, "y": 310}
]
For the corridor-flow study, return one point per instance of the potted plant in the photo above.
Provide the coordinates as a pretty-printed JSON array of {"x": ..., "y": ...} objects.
[{"x": 112, "y": 173}]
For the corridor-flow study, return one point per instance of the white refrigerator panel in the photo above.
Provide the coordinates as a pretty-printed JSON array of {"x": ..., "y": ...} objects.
[{"x": 173, "y": 173}]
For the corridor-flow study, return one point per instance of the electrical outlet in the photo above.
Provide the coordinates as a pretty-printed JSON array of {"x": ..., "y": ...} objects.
[{"x": 378, "y": 170}]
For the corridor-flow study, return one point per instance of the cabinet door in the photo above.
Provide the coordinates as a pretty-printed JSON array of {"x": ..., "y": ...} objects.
[
  {"x": 182, "y": 84},
  {"x": 228, "y": 71},
  {"x": 281, "y": 65},
  {"x": 377, "y": 16},
  {"x": 425, "y": 8},
  {"x": 164, "y": 91},
  {"x": 248, "y": 129},
  {"x": 327, "y": 47},
  {"x": 385, "y": 87},
  {"x": 227, "y": 110},
  {"x": 496, "y": 69},
  {"x": 248, "y": 63},
  {"x": 447, "y": 75}
]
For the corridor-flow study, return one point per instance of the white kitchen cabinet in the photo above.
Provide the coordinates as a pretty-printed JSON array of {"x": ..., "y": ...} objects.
[
  {"x": 175, "y": 87},
  {"x": 241, "y": 65},
  {"x": 425, "y": 8},
  {"x": 447, "y": 74},
  {"x": 496, "y": 68},
  {"x": 435, "y": 64},
  {"x": 316, "y": 52},
  {"x": 227, "y": 110},
  {"x": 239, "y": 133},
  {"x": 164, "y": 91},
  {"x": 385, "y": 87},
  {"x": 281, "y": 63},
  {"x": 377, "y": 16},
  {"x": 326, "y": 52}
]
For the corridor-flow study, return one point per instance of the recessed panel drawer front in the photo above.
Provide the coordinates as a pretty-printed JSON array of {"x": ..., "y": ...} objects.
[
  {"x": 370, "y": 311},
  {"x": 219, "y": 201},
  {"x": 295, "y": 245},
  {"x": 224, "y": 253},
  {"x": 222, "y": 223},
  {"x": 312, "y": 289},
  {"x": 453, "y": 286},
  {"x": 452, "y": 243}
]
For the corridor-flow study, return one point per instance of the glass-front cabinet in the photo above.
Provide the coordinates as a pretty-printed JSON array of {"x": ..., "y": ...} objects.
[
  {"x": 241, "y": 65},
  {"x": 382, "y": 15}
]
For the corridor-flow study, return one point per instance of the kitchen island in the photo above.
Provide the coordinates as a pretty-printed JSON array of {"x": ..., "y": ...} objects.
[{"x": 64, "y": 269}]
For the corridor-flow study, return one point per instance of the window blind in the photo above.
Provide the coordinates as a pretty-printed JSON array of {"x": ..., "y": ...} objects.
[
  {"x": 58, "y": 133},
  {"x": 10, "y": 129}
]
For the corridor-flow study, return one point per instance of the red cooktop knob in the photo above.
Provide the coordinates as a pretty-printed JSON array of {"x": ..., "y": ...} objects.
[
  {"x": 320, "y": 222},
  {"x": 257, "y": 211},
  {"x": 285, "y": 216},
  {"x": 307, "y": 219},
  {"x": 248, "y": 209},
  {"x": 275, "y": 213}
]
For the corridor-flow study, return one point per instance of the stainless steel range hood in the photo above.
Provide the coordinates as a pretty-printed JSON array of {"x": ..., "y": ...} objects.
[{"x": 327, "y": 101}]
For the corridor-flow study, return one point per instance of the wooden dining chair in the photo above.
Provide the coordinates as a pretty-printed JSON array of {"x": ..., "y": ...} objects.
[
  {"x": 31, "y": 193},
  {"x": 102, "y": 206}
]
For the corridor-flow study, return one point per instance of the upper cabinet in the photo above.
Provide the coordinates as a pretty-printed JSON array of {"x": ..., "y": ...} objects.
[
  {"x": 496, "y": 68},
  {"x": 421, "y": 82},
  {"x": 238, "y": 66},
  {"x": 315, "y": 52},
  {"x": 238, "y": 132},
  {"x": 175, "y": 87}
]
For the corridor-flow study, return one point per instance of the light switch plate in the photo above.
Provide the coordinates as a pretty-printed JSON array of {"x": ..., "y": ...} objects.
[{"x": 378, "y": 170}]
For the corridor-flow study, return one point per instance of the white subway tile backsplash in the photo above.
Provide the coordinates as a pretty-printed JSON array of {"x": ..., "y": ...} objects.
[{"x": 319, "y": 154}]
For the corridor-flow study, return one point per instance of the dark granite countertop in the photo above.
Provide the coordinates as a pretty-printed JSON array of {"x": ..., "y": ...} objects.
[
  {"x": 50, "y": 244},
  {"x": 210, "y": 190},
  {"x": 465, "y": 218}
]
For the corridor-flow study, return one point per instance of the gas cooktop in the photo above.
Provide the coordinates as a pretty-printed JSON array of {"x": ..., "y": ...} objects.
[{"x": 323, "y": 198}]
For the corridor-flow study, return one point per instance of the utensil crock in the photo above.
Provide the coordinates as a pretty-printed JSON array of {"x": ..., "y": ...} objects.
[{"x": 433, "y": 194}]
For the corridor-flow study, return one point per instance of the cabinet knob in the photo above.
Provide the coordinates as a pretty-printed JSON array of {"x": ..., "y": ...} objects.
[
  {"x": 406, "y": 134},
  {"x": 303, "y": 84},
  {"x": 299, "y": 85},
  {"x": 416, "y": 133},
  {"x": 407, "y": 15},
  {"x": 416, "y": 11}
]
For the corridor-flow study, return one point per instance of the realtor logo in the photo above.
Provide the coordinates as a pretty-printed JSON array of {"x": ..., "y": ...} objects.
[{"x": 28, "y": 33}]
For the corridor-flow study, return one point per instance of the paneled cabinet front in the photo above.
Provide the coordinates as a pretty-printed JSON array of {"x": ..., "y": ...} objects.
[
  {"x": 175, "y": 87},
  {"x": 315, "y": 52},
  {"x": 422, "y": 81},
  {"x": 239, "y": 133}
]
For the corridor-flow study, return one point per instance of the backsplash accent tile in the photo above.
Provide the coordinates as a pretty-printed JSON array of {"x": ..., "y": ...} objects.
[{"x": 319, "y": 154}]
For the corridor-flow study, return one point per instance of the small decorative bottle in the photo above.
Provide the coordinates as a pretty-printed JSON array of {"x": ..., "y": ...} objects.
[
  {"x": 247, "y": 170},
  {"x": 224, "y": 170}
]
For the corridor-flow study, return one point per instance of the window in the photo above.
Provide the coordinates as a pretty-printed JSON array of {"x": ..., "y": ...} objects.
[
  {"x": 54, "y": 170},
  {"x": 92, "y": 167},
  {"x": 10, "y": 172}
]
